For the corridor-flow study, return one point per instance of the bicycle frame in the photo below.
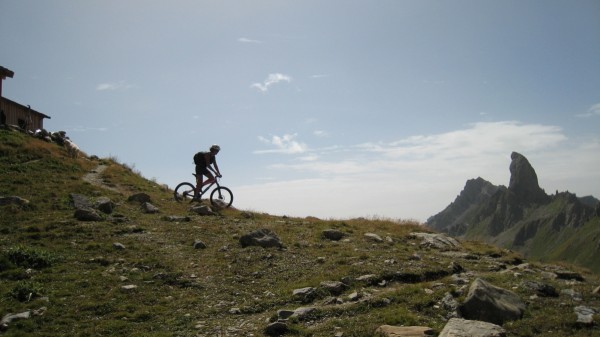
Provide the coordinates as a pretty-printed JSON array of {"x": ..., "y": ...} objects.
[{"x": 200, "y": 193}]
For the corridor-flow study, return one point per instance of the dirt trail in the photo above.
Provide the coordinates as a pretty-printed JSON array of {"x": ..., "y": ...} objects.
[{"x": 94, "y": 177}]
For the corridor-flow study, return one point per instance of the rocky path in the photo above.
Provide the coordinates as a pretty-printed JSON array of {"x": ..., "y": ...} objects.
[{"x": 94, "y": 177}]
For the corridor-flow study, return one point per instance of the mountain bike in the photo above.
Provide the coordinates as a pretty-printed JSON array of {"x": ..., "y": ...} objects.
[{"x": 221, "y": 196}]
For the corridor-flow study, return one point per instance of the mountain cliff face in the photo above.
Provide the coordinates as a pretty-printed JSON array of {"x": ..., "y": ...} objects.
[{"x": 523, "y": 217}]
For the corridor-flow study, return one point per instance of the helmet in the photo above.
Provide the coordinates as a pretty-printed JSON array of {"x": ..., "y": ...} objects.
[{"x": 215, "y": 148}]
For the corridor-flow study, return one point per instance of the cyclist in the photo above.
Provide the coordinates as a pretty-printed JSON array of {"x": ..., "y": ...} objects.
[{"x": 203, "y": 161}]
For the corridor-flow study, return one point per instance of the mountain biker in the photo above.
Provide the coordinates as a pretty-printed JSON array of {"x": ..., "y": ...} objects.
[{"x": 203, "y": 161}]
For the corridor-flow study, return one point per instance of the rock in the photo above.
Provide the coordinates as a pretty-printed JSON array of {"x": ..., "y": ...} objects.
[
  {"x": 80, "y": 201},
  {"x": 524, "y": 181},
  {"x": 105, "y": 205},
  {"x": 569, "y": 275},
  {"x": 541, "y": 289},
  {"x": 118, "y": 246},
  {"x": 373, "y": 237},
  {"x": 262, "y": 237},
  {"x": 333, "y": 287},
  {"x": 235, "y": 311},
  {"x": 305, "y": 295},
  {"x": 276, "y": 329},
  {"x": 284, "y": 314},
  {"x": 202, "y": 210},
  {"x": 404, "y": 331},
  {"x": 596, "y": 291},
  {"x": 354, "y": 296},
  {"x": 450, "y": 304},
  {"x": 8, "y": 318},
  {"x": 199, "y": 244},
  {"x": 457, "y": 327},
  {"x": 575, "y": 295},
  {"x": 87, "y": 214},
  {"x": 149, "y": 208},
  {"x": 440, "y": 241},
  {"x": 13, "y": 200},
  {"x": 585, "y": 315},
  {"x": 489, "y": 303},
  {"x": 139, "y": 197},
  {"x": 333, "y": 234},
  {"x": 129, "y": 287},
  {"x": 304, "y": 313}
]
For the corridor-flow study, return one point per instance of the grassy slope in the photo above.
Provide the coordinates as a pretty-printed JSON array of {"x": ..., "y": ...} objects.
[{"x": 182, "y": 291}]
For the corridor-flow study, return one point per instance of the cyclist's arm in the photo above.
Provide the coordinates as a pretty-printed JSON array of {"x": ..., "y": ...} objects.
[{"x": 217, "y": 172}]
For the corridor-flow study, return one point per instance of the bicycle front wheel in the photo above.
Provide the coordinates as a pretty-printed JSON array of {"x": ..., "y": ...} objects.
[
  {"x": 184, "y": 191},
  {"x": 221, "y": 197}
]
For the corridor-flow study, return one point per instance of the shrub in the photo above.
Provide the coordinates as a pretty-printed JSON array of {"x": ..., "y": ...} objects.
[
  {"x": 30, "y": 257},
  {"x": 26, "y": 291}
]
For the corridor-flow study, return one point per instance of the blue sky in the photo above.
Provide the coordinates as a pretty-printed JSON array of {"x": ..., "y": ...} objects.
[{"x": 333, "y": 109}]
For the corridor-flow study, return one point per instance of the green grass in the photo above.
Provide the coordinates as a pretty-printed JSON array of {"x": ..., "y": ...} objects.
[{"x": 49, "y": 259}]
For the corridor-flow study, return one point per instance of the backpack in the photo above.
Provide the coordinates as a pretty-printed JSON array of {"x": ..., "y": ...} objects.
[{"x": 199, "y": 158}]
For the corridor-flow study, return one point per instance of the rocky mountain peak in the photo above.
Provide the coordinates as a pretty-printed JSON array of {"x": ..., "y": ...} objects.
[{"x": 524, "y": 181}]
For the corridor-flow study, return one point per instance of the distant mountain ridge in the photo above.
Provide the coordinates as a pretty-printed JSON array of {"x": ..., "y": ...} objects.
[{"x": 522, "y": 217}]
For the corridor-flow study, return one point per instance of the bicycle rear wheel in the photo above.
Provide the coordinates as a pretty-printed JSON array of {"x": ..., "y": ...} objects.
[
  {"x": 221, "y": 197},
  {"x": 184, "y": 191}
]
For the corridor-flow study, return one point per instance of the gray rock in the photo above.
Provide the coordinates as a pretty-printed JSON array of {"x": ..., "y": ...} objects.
[
  {"x": 333, "y": 287},
  {"x": 457, "y": 327},
  {"x": 80, "y": 201},
  {"x": 87, "y": 214},
  {"x": 8, "y": 318},
  {"x": 440, "y": 241},
  {"x": 176, "y": 218},
  {"x": 333, "y": 234},
  {"x": 262, "y": 237},
  {"x": 199, "y": 244},
  {"x": 585, "y": 315},
  {"x": 305, "y": 295},
  {"x": 139, "y": 197},
  {"x": 489, "y": 303},
  {"x": 149, "y": 208},
  {"x": 373, "y": 237},
  {"x": 541, "y": 289},
  {"x": 105, "y": 205},
  {"x": 575, "y": 295},
  {"x": 118, "y": 246},
  {"x": 276, "y": 329},
  {"x": 284, "y": 314},
  {"x": 202, "y": 210},
  {"x": 304, "y": 313}
]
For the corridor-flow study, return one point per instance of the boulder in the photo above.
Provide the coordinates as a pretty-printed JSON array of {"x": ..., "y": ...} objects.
[
  {"x": 373, "y": 237},
  {"x": 404, "y": 331},
  {"x": 585, "y": 315},
  {"x": 457, "y": 327},
  {"x": 333, "y": 287},
  {"x": 276, "y": 329},
  {"x": 87, "y": 214},
  {"x": 261, "y": 237},
  {"x": 333, "y": 234},
  {"x": 139, "y": 197},
  {"x": 80, "y": 201},
  {"x": 149, "y": 208},
  {"x": 440, "y": 241},
  {"x": 199, "y": 244},
  {"x": 105, "y": 205},
  {"x": 13, "y": 200},
  {"x": 305, "y": 295},
  {"x": 489, "y": 303},
  {"x": 202, "y": 210},
  {"x": 541, "y": 289}
]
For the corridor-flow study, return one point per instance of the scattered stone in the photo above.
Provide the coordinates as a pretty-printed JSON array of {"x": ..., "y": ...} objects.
[
  {"x": 462, "y": 327},
  {"x": 149, "y": 208},
  {"x": 139, "y": 197},
  {"x": 118, "y": 246},
  {"x": 333, "y": 287},
  {"x": 117, "y": 218},
  {"x": 13, "y": 200},
  {"x": 333, "y": 234},
  {"x": 87, "y": 215},
  {"x": 585, "y": 315},
  {"x": 353, "y": 297},
  {"x": 235, "y": 311},
  {"x": 403, "y": 331},
  {"x": 489, "y": 303},
  {"x": 596, "y": 291},
  {"x": 8, "y": 318},
  {"x": 373, "y": 237},
  {"x": 276, "y": 329},
  {"x": 199, "y": 245},
  {"x": 202, "y": 210},
  {"x": 450, "y": 304},
  {"x": 440, "y": 241},
  {"x": 305, "y": 295},
  {"x": 262, "y": 237},
  {"x": 129, "y": 287}
]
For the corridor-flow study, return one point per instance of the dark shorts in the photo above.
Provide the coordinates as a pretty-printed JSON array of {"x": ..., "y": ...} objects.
[{"x": 202, "y": 170}]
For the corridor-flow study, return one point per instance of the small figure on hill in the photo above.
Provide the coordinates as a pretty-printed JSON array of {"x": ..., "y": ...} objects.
[{"x": 205, "y": 163}]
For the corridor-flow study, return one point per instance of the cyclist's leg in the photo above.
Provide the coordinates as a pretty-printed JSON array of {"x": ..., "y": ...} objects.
[
  {"x": 199, "y": 178},
  {"x": 210, "y": 176}
]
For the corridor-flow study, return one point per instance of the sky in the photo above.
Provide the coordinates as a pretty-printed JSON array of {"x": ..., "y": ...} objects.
[{"x": 333, "y": 108}]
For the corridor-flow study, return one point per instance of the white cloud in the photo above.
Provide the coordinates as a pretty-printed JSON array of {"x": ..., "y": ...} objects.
[
  {"x": 284, "y": 144},
  {"x": 417, "y": 176},
  {"x": 111, "y": 86},
  {"x": 271, "y": 80},
  {"x": 247, "y": 40},
  {"x": 594, "y": 110},
  {"x": 321, "y": 133}
]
